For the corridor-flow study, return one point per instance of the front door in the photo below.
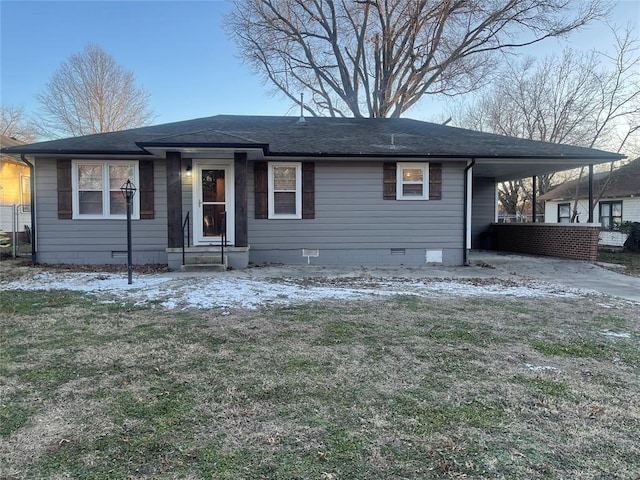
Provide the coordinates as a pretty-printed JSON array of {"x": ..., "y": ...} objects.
[{"x": 213, "y": 203}]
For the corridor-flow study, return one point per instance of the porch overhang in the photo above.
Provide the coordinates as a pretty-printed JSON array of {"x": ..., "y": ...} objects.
[{"x": 254, "y": 152}]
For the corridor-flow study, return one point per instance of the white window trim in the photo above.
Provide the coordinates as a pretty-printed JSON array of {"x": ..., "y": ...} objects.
[
  {"x": 288, "y": 216},
  {"x": 135, "y": 213},
  {"x": 25, "y": 187},
  {"x": 612, "y": 227},
  {"x": 400, "y": 182}
]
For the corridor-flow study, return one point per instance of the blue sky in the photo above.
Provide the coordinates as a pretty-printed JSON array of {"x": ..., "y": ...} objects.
[{"x": 177, "y": 50}]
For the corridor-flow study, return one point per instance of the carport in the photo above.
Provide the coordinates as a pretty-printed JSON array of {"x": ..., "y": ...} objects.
[{"x": 571, "y": 241}]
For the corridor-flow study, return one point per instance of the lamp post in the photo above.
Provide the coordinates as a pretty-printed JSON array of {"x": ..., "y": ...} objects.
[{"x": 128, "y": 190}]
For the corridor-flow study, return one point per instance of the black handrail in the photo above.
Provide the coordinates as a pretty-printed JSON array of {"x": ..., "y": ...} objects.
[
  {"x": 186, "y": 223},
  {"x": 223, "y": 238}
]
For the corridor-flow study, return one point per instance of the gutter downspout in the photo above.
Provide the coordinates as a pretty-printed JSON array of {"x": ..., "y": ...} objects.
[
  {"x": 467, "y": 212},
  {"x": 32, "y": 185}
]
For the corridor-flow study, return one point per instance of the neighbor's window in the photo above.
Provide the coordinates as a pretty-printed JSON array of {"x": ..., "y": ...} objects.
[
  {"x": 611, "y": 215},
  {"x": 564, "y": 213},
  {"x": 96, "y": 189},
  {"x": 285, "y": 190},
  {"x": 25, "y": 192},
  {"x": 413, "y": 181}
]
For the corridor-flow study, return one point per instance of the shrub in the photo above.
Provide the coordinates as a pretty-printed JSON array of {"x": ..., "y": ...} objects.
[{"x": 632, "y": 244}]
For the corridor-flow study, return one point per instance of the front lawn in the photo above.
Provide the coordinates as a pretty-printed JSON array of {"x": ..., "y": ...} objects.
[{"x": 403, "y": 387}]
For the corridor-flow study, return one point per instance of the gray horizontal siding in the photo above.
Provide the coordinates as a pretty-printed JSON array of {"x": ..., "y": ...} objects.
[
  {"x": 350, "y": 213},
  {"x": 483, "y": 211},
  {"x": 93, "y": 241}
]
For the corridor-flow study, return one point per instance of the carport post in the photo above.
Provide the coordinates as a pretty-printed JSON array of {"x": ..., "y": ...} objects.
[
  {"x": 591, "y": 193},
  {"x": 535, "y": 198}
]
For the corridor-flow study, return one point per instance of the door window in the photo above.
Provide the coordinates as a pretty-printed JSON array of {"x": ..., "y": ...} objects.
[{"x": 213, "y": 202}]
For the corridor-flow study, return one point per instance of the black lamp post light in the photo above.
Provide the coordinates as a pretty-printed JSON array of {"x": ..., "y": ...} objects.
[{"x": 128, "y": 190}]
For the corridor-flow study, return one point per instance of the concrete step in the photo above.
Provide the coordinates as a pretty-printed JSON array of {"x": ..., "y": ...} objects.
[
  {"x": 200, "y": 263},
  {"x": 203, "y": 260},
  {"x": 203, "y": 267}
]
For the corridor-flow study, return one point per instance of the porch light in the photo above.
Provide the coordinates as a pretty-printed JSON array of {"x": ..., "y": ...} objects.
[
  {"x": 128, "y": 190},
  {"x": 187, "y": 170}
]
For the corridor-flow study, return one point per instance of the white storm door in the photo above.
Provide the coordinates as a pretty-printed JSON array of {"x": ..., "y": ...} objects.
[{"x": 213, "y": 204}]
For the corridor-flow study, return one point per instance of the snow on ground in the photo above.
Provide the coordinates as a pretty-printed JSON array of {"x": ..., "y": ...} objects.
[
  {"x": 608, "y": 333},
  {"x": 232, "y": 290}
]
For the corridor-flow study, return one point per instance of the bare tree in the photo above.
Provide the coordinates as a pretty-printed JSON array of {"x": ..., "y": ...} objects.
[
  {"x": 378, "y": 58},
  {"x": 586, "y": 99},
  {"x": 510, "y": 197},
  {"x": 15, "y": 124},
  {"x": 91, "y": 93},
  {"x": 616, "y": 123}
]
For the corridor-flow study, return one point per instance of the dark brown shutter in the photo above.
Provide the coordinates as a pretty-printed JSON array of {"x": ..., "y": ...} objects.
[
  {"x": 65, "y": 210},
  {"x": 308, "y": 190},
  {"x": 435, "y": 181},
  {"x": 261, "y": 189},
  {"x": 145, "y": 168},
  {"x": 389, "y": 181}
]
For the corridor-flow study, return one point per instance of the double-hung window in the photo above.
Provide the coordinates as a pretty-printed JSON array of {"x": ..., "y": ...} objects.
[
  {"x": 412, "y": 181},
  {"x": 285, "y": 190},
  {"x": 96, "y": 189},
  {"x": 564, "y": 213},
  {"x": 611, "y": 215}
]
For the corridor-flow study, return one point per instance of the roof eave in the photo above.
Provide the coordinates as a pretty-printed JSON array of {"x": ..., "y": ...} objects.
[{"x": 75, "y": 152}]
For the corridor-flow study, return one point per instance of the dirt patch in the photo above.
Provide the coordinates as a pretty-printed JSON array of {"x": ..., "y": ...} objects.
[
  {"x": 13, "y": 269},
  {"x": 107, "y": 268}
]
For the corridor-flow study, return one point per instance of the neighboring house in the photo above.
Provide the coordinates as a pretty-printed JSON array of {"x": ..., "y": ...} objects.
[
  {"x": 340, "y": 191},
  {"x": 618, "y": 196},
  {"x": 15, "y": 189}
]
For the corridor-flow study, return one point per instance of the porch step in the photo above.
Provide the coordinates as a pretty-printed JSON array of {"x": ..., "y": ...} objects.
[
  {"x": 203, "y": 267},
  {"x": 204, "y": 263},
  {"x": 204, "y": 260},
  {"x": 209, "y": 256}
]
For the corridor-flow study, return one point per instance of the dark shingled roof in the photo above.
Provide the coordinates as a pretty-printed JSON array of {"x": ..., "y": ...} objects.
[
  {"x": 497, "y": 156},
  {"x": 315, "y": 136},
  {"x": 622, "y": 182}
]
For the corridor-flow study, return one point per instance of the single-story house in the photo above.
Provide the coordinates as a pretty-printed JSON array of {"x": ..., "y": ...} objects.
[
  {"x": 338, "y": 191},
  {"x": 618, "y": 192},
  {"x": 15, "y": 190}
]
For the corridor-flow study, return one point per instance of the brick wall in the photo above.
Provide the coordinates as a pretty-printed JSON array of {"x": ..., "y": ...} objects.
[{"x": 577, "y": 241}]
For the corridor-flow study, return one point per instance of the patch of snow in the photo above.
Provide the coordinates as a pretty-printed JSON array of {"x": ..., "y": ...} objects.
[
  {"x": 604, "y": 305},
  {"x": 242, "y": 291},
  {"x": 607, "y": 333}
]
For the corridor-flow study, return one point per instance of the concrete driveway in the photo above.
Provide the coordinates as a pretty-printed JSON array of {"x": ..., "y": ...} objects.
[{"x": 571, "y": 273}]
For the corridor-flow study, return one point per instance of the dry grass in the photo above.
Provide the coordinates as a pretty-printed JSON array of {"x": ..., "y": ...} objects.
[
  {"x": 398, "y": 388},
  {"x": 629, "y": 262}
]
